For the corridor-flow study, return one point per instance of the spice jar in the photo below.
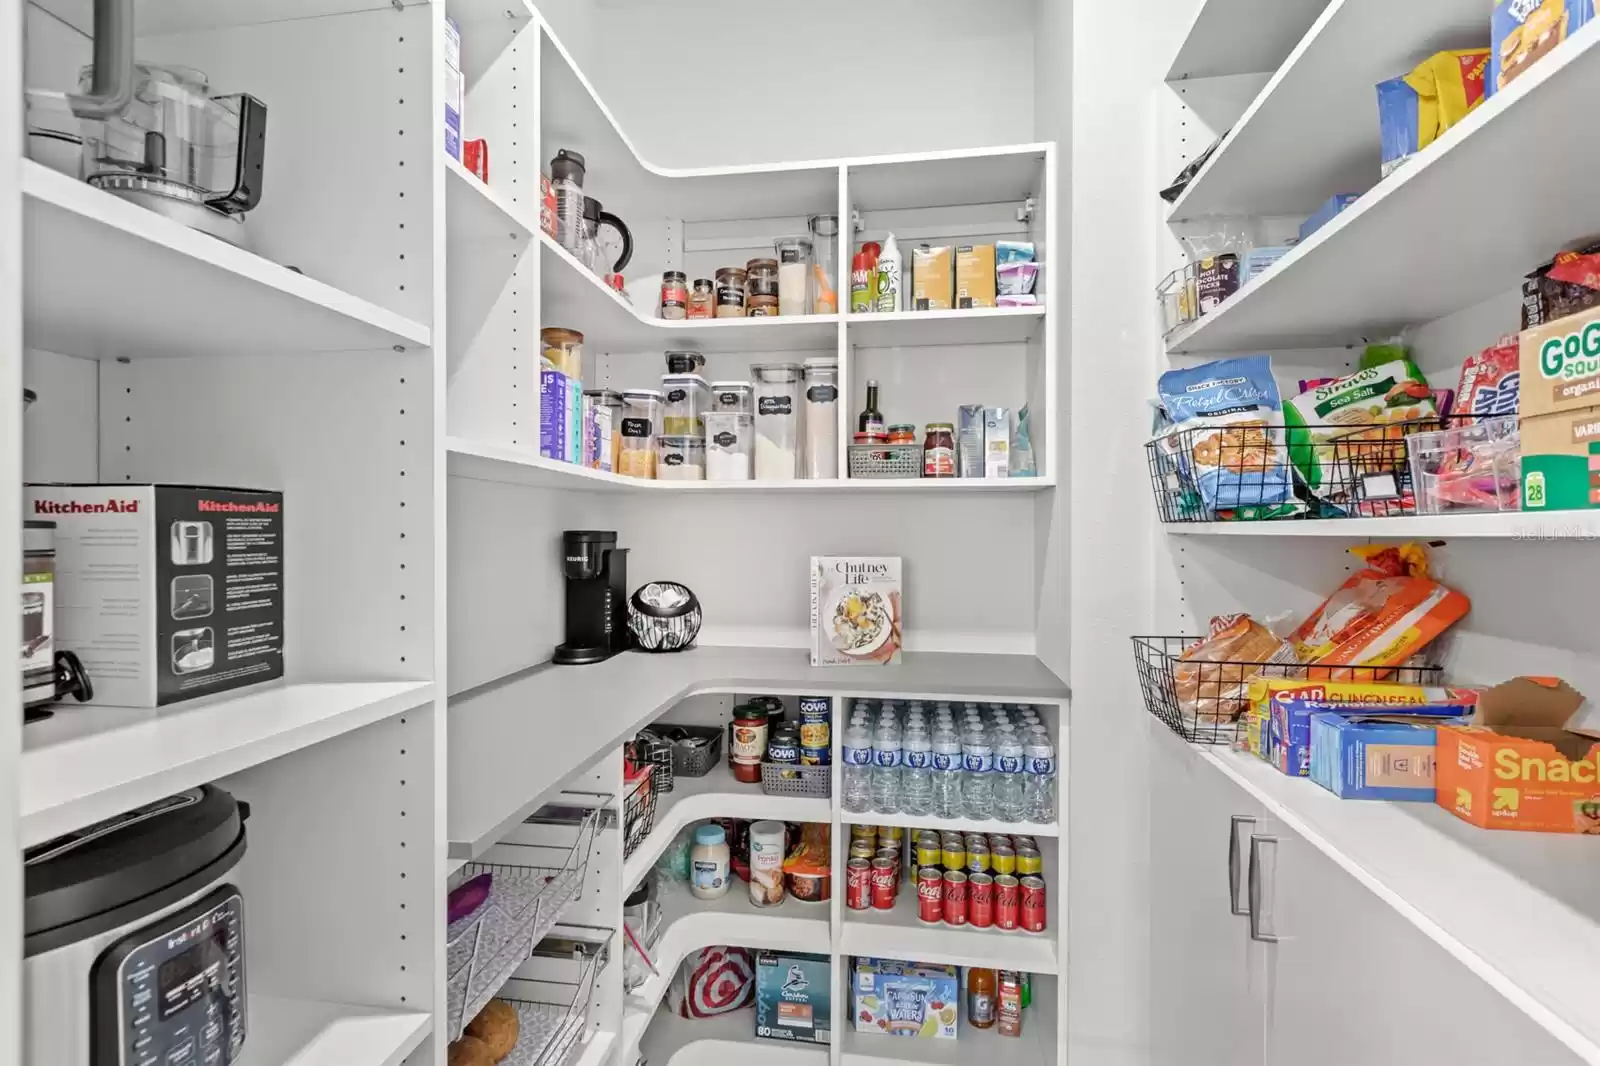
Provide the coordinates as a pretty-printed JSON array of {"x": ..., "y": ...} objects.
[
  {"x": 761, "y": 277},
  {"x": 939, "y": 450},
  {"x": 822, "y": 416},
  {"x": 730, "y": 292},
  {"x": 794, "y": 269},
  {"x": 703, "y": 299},
  {"x": 682, "y": 459},
  {"x": 563, "y": 350},
  {"x": 761, "y": 306},
  {"x": 733, "y": 396},
  {"x": 903, "y": 433},
  {"x": 674, "y": 294},
  {"x": 748, "y": 743},
  {"x": 641, "y": 420}
]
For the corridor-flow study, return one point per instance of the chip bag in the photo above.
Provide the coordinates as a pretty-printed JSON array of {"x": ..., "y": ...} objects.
[
  {"x": 1229, "y": 433},
  {"x": 1381, "y": 616}
]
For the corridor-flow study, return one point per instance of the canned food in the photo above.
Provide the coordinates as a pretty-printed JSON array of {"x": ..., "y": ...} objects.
[
  {"x": 955, "y": 855},
  {"x": 1032, "y": 907},
  {"x": 784, "y": 747},
  {"x": 892, "y": 854},
  {"x": 954, "y": 904},
  {"x": 771, "y": 704},
  {"x": 1020, "y": 842},
  {"x": 1029, "y": 864},
  {"x": 815, "y": 756},
  {"x": 884, "y": 884},
  {"x": 999, "y": 840},
  {"x": 863, "y": 832},
  {"x": 815, "y": 713},
  {"x": 976, "y": 838},
  {"x": 858, "y": 884},
  {"x": 930, "y": 895},
  {"x": 890, "y": 834},
  {"x": 980, "y": 901},
  {"x": 863, "y": 849},
  {"x": 1003, "y": 860},
  {"x": 1007, "y": 902},
  {"x": 978, "y": 861},
  {"x": 929, "y": 852}
]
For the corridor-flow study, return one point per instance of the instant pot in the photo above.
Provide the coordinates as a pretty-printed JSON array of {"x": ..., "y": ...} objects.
[{"x": 133, "y": 942}]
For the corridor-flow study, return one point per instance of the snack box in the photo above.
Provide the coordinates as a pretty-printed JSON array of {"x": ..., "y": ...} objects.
[
  {"x": 560, "y": 416},
  {"x": 933, "y": 277},
  {"x": 975, "y": 284},
  {"x": 1561, "y": 461},
  {"x": 1515, "y": 766},
  {"x": 1415, "y": 110},
  {"x": 793, "y": 998},
  {"x": 1560, "y": 365},
  {"x": 1290, "y": 725},
  {"x": 1566, "y": 285},
  {"x": 909, "y": 999},
  {"x": 1327, "y": 213},
  {"x": 1522, "y": 32},
  {"x": 1373, "y": 756}
]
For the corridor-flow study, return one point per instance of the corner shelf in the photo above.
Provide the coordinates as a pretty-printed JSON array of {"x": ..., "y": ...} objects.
[
  {"x": 983, "y": 325},
  {"x": 899, "y": 934},
  {"x": 294, "y": 1032}
]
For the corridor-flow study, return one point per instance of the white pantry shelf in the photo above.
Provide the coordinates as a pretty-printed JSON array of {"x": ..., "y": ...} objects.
[
  {"x": 899, "y": 934},
  {"x": 1242, "y": 37},
  {"x": 724, "y": 1040},
  {"x": 91, "y": 762},
  {"x": 955, "y": 825},
  {"x": 983, "y": 325},
  {"x": 1420, "y": 245},
  {"x": 716, "y": 795},
  {"x": 106, "y": 279},
  {"x": 1002, "y": 174},
  {"x": 294, "y": 1032},
  {"x": 1510, "y": 525},
  {"x": 477, "y": 210},
  {"x": 1517, "y": 909},
  {"x": 514, "y": 465},
  {"x": 1276, "y": 162}
]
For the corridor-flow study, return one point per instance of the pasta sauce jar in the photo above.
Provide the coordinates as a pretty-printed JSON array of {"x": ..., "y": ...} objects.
[
  {"x": 749, "y": 743},
  {"x": 939, "y": 450}
]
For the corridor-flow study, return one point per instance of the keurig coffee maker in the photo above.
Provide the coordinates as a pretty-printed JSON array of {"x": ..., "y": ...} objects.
[{"x": 597, "y": 596}]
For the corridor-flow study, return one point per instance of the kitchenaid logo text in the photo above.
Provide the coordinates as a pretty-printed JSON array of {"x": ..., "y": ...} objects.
[
  {"x": 224, "y": 507},
  {"x": 79, "y": 507}
]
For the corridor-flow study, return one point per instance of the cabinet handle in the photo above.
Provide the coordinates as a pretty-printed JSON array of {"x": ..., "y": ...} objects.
[
  {"x": 1235, "y": 876},
  {"x": 1256, "y": 840}
]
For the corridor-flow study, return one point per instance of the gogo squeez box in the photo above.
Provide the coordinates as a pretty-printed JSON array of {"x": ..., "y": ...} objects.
[
  {"x": 167, "y": 592},
  {"x": 1560, "y": 400}
]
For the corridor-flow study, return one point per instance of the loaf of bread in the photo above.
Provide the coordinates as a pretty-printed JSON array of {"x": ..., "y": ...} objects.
[
  {"x": 470, "y": 1051},
  {"x": 496, "y": 1025}
]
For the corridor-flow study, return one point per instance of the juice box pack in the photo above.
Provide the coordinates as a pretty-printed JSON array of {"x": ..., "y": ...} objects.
[{"x": 905, "y": 998}]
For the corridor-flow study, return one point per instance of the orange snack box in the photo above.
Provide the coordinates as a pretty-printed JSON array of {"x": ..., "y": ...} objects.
[{"x": 1516, "y": 766}]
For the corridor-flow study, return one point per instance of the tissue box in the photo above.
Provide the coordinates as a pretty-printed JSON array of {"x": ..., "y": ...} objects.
[
  {"x": 1373, "y": 756},
  {"x": 793, "y": 997},
  {"x": 905, "y": 999}
]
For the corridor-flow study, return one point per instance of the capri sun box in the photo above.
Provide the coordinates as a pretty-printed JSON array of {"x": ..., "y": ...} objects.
[
  {"x": 1527, "y": 760},
  {"x": 1560, "y": 407}
]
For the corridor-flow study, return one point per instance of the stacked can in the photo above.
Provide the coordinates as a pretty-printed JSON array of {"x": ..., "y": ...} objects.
[{"x": 987, "y": 882}]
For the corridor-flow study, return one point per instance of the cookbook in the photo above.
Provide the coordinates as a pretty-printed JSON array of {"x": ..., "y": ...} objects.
[{"x": 855, "y": 610}]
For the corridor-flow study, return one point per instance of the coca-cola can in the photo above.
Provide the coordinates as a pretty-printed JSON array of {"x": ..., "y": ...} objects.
[
  {"x": 884, "y": 884},
  {"x": 893, "y": 855},
  {"x": 955, "y": 897},
  {"x": 1007, "y": 902},
  {"x": 1033, "y": 905},
  {"x": 930, "y": 894},
  {"x": 858, "y": 884},
  {"x": 980, "y": 901}
]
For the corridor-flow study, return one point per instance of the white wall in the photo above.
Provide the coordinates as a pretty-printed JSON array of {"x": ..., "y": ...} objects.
[{"x": 687, "y": 79}]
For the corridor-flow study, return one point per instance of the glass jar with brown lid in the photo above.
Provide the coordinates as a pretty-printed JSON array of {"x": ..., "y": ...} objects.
[
  {"x": 763, "y": 277},
  {"x": 730, "y": 292}
]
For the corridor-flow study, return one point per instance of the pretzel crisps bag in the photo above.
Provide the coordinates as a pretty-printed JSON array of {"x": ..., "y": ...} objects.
[
  {"x": 1230, "y": 434},
  {"x": 1213, "y": 678},
  {"x": 1381, "y": 616}
]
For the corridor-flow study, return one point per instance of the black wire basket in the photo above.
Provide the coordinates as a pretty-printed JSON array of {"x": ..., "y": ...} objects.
[
  {"x": 638, "y": 804},
  {"x": 1214, "y": 695},
  {"x": 1256, "y": 471}
]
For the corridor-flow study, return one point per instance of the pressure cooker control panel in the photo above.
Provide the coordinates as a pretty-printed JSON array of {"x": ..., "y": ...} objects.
[{"x": 172, "y": 993}]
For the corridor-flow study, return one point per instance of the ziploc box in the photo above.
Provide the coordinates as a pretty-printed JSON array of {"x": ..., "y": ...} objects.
[
  {"x": 167, "y": 592},
  {"x": 1373, "y": 756},
  {"x": 1367, "y": 694},
  {"x": 454, "y": 87},
  {"x": 1516, "y": 765},
  {"x": 910, "y": 999},
  {"x": 794, "y": 999},
  {"x": 1290, "y": 724}
]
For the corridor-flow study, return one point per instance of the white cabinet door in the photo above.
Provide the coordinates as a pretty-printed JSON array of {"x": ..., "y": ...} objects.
[
  {"x": 1207, "y": 977},
  {"x": 1351, "y": 981}
]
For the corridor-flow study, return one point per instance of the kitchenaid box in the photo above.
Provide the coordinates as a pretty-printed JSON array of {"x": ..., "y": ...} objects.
[{"x": 167, "y": 592}]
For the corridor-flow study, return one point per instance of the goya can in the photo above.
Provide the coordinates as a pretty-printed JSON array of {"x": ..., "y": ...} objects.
[
  {"x": 954, "y": 904},
  {"x": 980, "y": 901},
  {"x": 815, "y": 756},
  {"x": 784, "y": 747},
  {"x": 1007, "y": 902},
  {"x": 858, "y": 884},
  {"x": 1033, "y": 917},
  {"x": 930, "y": 895},
  {"x": 815, "y": 714}
]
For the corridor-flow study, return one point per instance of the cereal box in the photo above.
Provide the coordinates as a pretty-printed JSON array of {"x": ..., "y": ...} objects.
[
  {"x": 855, "y": 610},
  {"x": 910, "y": 999},
  {"x": 1490, "y": 382},
  {"x": 1516, "y": 766},
  {"x": 793, "y": 997}
]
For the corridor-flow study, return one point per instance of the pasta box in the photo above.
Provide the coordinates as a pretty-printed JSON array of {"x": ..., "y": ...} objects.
[
  {"x": 1517, "y": 765},
  {"x": 794, "y": 999}
]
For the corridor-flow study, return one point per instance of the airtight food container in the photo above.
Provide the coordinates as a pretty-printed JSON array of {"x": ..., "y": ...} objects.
[
  {"x": 686, "y": 398},
  {"x": 682, "y": 458}
]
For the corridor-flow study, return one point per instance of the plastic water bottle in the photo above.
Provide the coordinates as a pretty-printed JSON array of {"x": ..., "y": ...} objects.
[
  {"x": 1009, "y": 765},
  {"x": 1039, "y": 788},
  {"x": 947, "y": 772},
  {"x": 857, "y": 759},
  {"x": 916, "y": 771},
  {"x": 886, "y": 765},
  {"x": 977, "y": 778}
]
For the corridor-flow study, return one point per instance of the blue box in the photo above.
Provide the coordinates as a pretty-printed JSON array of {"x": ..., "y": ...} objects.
[
  {"x": 1327, "y": 213},
  {"x": 1521, "y": 32},
  {"x": 794, "y": 997},
  {"x": 454, "y": 89},
  {"x": 1258, "y": 261},
  {"x": 560, "y": 416},
  {"x": 1289, "y": 744},
  {"x": 1383, "y": 757}
]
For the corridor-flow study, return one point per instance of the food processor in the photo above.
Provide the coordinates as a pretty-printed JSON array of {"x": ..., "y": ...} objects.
[{"x": 154, "y": 135}]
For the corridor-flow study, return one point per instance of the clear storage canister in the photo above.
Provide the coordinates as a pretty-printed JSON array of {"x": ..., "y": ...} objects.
[
  {"x": 822, "y": 417},
  {"x": 794, "y": 275},
  {"x": 641, "y": 421},
  {"x": 686, "y": 399},
  {"x": 735, "y": 396},
  {"x": 778, "y": 388},
  {"x": 682, "y": 459},
  {"x": 824, "y": 236},
  {"x": 612, "y": 401},
  {"x": 728, "y": 445}
]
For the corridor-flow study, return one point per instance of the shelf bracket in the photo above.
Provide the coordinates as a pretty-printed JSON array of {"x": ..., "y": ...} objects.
[
  {"x": 1025, "y": 212},
  {"x": 856, "y": 225}
]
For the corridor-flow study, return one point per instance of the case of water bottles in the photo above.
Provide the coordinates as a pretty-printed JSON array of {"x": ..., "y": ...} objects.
[{"x": 949, "y": 760}]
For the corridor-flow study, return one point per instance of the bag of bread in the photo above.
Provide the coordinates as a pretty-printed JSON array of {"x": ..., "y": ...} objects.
[
  {"x": 1213, "y": 675},
  {"x": 1382, "y": 616}
]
